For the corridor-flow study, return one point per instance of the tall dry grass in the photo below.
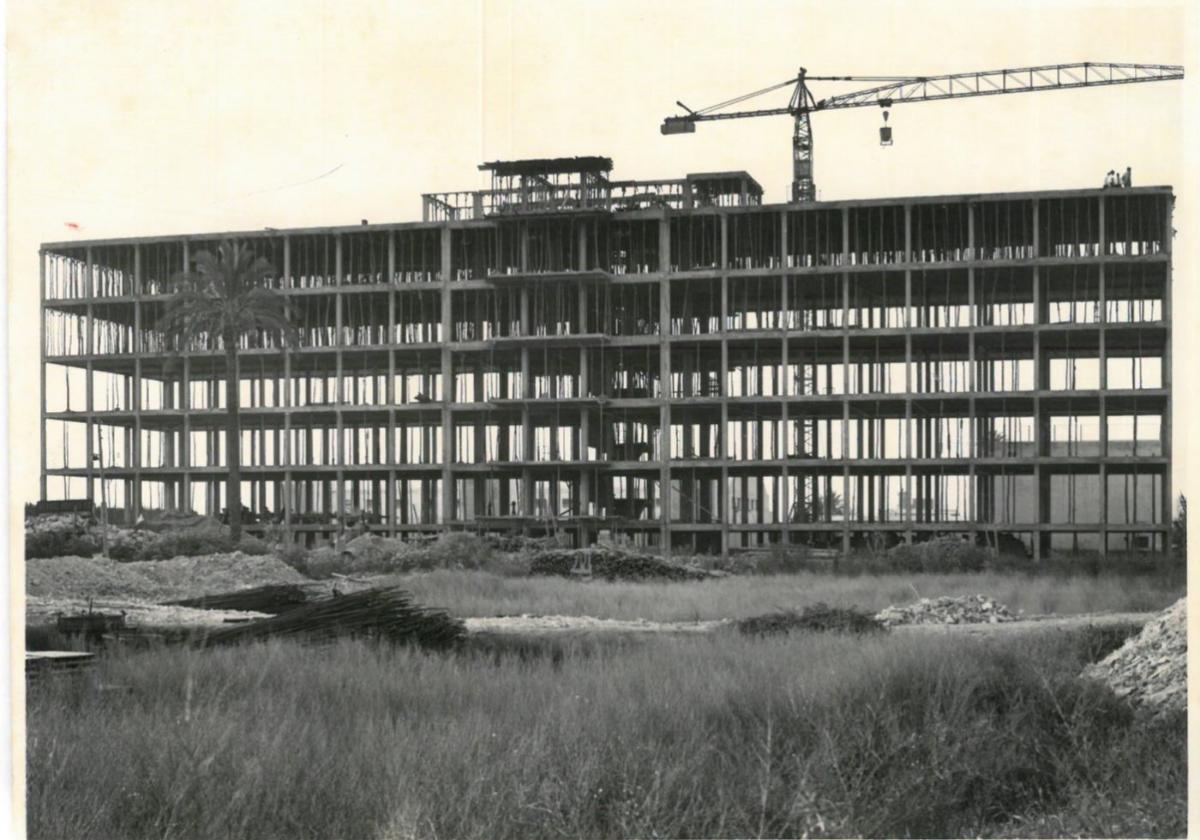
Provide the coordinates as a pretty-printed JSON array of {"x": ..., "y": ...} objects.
[
  {"x": 718, "y": 736},
  {"x": 477, "y": 593}
]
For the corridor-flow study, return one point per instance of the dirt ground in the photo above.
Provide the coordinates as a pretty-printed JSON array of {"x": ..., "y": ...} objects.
[
  {"x": 150, "y": 581},
  {"x": 41, "y": 610},
  {"x": 63, "y": 586},
  {"x": 558, "y": 624},
  {"x": 552, "y": 624}
]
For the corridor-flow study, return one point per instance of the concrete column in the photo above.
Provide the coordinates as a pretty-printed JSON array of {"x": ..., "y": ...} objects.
[
  {"x": 1040, "y": 492},
  {"x": 447, "y": 381},
  {"x": 1168, "y": 491},
  {"x": 784, "y": 500},
  {"x": 664, "y": 403},
  {"x": 527, "y": 457},
  {"x": 1102, "y": 413},
  {"x": 724, "y": 242},
  {"x": 845, "y": 276},
  {"x": 289, "y": 491},
  {"x": 89, "y": 386},
  {"x": 339, "y": 443},
  {"x": 725, "y": 508},
  {"x": 973, "y": 384},
  {"x": 585, "y": 473},
  {"x": 42, "y": 478},
  {"x": 133, "y": 504},
  {"x": 390, "y": 396},
  {"x": 909, "y": 454}
]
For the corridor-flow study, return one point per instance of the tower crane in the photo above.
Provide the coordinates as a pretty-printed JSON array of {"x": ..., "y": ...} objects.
[{"x": 893, "y": 90}]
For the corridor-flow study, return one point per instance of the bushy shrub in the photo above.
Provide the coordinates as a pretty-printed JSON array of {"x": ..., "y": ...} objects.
[
  {"x": 125, "y": 546},
  {"x": 47, "y": 637},
  {"x": 123, "y": 551},
  {"x": 939, "y": 555},
  {"x": 324, "y": 562},
  {"x": 775, "y": 560},
  {"x": 372, "y": 554},
  {"x": 819, "y": 617},
  {"x": 456, "y": 550},
  {"x": 58, "y": 544},
  {"x": 193, "y": 542},
  {"x": 294, "y": 555},
  {"x": 612, "y": 563},
  {"x": 508, "y": 565},
  {"x": 58, "y": 536},
  {"x": 62, "y": 536}
]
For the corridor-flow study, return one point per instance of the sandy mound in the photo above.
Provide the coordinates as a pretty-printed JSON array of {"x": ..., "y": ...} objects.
[
  {"x": 137, "y": 615},
  {"x": 969, "y": 609},
  {"x": 158, "y": 580},
  {"x": 1151, "y": 668}
]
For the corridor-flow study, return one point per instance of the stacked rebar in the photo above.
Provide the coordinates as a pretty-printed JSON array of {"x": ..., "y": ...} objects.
[
  {"x": 272, "y": 599},
  {"x": 384, "y": 614}
]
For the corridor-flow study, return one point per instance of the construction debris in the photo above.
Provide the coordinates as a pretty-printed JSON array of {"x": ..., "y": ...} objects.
[
  {"x": 159, "y": 580},
  {"x": 139, "y": 615},
  {"x": 272, "y": 599},
  {"x": 1151, "y": 668},
  {"x": 611, "y": 564},
  {"x": 968, "y": 609},
  {"x": 818, "y": 617},
  {"x": 92, "y": 627},
  {"x": 385, "y": 614},
  {"x": 43, "y": 523},
  {"x": 39, "y": 664}
]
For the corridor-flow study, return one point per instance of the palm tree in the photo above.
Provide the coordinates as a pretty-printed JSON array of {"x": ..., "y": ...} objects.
[{"x": 223, "y": 298}]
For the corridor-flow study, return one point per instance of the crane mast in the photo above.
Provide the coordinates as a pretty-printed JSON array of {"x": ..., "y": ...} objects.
[
  {"x": 893, "y": 90},
  {"x": 803, "y": 186}
]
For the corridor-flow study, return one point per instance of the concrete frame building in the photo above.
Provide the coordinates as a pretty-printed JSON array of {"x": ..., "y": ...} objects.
[{"x": 670, "y": 361}]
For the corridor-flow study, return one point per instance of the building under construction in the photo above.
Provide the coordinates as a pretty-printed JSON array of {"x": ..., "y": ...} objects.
[{"x": 672, "y": 362}]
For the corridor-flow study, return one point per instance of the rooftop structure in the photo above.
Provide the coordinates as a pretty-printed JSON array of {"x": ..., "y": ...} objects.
[
  {"x": 671, "y": 362},
  {"x": 559, "y": 185}
]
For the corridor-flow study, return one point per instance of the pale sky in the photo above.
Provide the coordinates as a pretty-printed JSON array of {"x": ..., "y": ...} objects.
[{"x": 139, "y": 117}]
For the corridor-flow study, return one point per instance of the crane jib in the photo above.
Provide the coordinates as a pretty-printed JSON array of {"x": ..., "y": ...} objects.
[{"x": 899, "y": 89}]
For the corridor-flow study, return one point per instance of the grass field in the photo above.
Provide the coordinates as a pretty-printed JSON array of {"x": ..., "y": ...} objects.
[
  {"x": 720, "y": 736},
  {"x": 476, "y": 593}
]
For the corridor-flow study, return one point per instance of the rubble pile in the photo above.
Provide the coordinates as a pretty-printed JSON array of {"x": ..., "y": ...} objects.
[
  {"x": 85, "y": 577},
  {"x": 1151, "y": 668},
  {"x": 43, "y": 523},
  {"x": 968, "y": 609},
  {"x": 611, "y": 564},
  {"x": 43, "y": 612},
  {"x": 182, "y": 577}
]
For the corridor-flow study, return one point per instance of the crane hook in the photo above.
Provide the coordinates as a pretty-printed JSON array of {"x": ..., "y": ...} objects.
[{"x": 885, "y": 132}]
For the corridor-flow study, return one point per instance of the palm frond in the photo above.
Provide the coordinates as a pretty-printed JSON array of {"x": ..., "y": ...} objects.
[{"x": 225, "y": 294}]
